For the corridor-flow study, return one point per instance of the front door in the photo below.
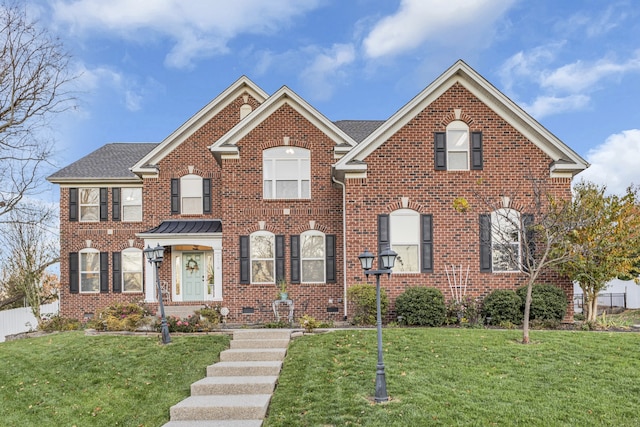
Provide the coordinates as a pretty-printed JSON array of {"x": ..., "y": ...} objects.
[{"x": 193, "y": 276}]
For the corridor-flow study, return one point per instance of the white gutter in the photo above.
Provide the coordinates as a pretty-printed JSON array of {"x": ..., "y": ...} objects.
[{"x": 344, "y": 242}]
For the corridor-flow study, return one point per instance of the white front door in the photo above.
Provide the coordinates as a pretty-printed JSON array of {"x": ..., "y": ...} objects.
[{"x": 193, "y": 276}]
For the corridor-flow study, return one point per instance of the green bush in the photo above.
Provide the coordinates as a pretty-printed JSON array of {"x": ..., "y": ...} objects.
[
  {"x": 210, "y": 313},
  {"x": 59, "y": 323},
  {"x": 421, "y": 306},
  {"x": 363, "y": 304},
  {"x": 467, "y": 313},
  {"x": 548, "y": 302},
  {"x": 502, "y": 306},
  {"x": 120, "y": 317}
]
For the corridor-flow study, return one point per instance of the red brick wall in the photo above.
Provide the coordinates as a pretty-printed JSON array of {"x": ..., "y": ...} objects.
[{"x": 404, "y": 167}]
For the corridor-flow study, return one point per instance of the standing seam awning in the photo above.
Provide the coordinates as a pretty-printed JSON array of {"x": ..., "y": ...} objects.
[{"x": 186, "y": 227}]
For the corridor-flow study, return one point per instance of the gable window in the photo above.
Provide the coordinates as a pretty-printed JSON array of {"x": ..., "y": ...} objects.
[
  {"x": 404, "y": 227},
  {"x": 286, "y": 173},
  {"x": 89, "y": 270},
  {"x": 457, "y": 149},
  {"x": 312, "y": 257},
  {"x": 132, "y": 262},
  {"x": 191, "y": 194},
  {"x": 262, "y": 250},
  {"x": 131, "y": 204},
  {"x": 89, "y": 204}
]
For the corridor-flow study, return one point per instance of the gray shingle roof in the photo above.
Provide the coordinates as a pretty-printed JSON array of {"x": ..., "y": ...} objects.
[
  {"x": 358, "y": 129},
  {"x": 111, "y": 161}
]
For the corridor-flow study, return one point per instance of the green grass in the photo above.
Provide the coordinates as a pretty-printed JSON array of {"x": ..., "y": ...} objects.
[
  {"x": 69, "y": 379},
  {"x": 461, "y": 377}
]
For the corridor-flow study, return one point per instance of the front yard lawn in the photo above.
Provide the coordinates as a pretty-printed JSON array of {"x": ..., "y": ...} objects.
[
  {"x": 447, "y": 377},
  {"x": 69, "y": 379}
]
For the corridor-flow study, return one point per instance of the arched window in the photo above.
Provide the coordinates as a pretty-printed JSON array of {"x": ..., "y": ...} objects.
[
  {"x": 89, "y": 270},
  {"x": 313, "y": 257},
  {"x": 505, "y": 240},
  {"x": 132, "y": 262},
  {"x": 458, "y": 145},
  {"x": 404, "y": 225},
  {"x": 191, "y": 194},
  {"x": 262, "y": 250},
  {"x": 286, "y": 173}
]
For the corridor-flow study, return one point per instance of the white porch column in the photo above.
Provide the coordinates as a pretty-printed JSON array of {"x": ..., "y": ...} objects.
[{"x": 217, "y": 274}]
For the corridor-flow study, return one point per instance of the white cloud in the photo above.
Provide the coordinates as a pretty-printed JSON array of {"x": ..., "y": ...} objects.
[
  {"x": 528, "y": 64},
  {"x": 198, "y": 28},
  {"x": 547, "y": 105},
  {"x": 327, "y": 70},
  {"x": 615, "y": 162},
  {"x": 419, "y": 21}
]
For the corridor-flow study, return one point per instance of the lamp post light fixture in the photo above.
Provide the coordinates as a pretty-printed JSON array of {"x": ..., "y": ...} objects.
[
  {"x": 387, "y": 260},
  {"x": 155, "y": 257}
]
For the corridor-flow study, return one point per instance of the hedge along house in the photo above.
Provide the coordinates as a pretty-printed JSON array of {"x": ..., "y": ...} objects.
[{"x": 255, "y": 190}]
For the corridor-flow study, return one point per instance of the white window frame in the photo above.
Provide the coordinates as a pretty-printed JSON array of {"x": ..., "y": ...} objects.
[
  {"x": 308, "y": 259},
  {"x": 131, "y": 202},
  {"x": 411, "y": 238},
  {"x": 83, "y": 204},
  {"x": 133, "y": 252},
  {"x": 84, "y": 273},
  {"x": 456, "y": 144},
  {"x": 191, "y": 188},
  {"x": 253, "y": 259},
  {"x": 292, "y": 163},
  {"x": 506, "y": 232}
]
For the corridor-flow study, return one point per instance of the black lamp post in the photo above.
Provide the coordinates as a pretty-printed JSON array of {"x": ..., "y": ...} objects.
[
  {"x": 155, "y": 256},
  {"x": 387, "y": 259}
]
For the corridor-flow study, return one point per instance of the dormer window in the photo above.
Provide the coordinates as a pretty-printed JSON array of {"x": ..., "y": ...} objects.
[{"x": 286, "y": 173}]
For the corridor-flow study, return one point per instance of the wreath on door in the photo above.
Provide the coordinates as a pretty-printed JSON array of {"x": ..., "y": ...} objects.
[{"x": 192, "y": 265}]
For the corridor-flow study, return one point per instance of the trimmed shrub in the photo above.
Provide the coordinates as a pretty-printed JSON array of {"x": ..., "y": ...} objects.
[
  {"x": 59, "y": 323},
  {"x": 363, "y": 304},
  {"x": 548, "y": 302},
  {"x": 421, "y": 306},
  {"x": 502, "y": 306},
  {"x": 120, "y": 317}
]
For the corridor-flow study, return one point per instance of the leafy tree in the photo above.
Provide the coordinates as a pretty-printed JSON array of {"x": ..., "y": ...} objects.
[
  {"x": 33, "y": 75},
  {"x": 604, "y": 244}
]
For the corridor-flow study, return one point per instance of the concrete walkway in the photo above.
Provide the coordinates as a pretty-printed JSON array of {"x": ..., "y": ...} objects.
[{"x": 237, "y": 390}]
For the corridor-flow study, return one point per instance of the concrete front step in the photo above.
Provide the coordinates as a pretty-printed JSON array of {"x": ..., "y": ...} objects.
[
  {"x": 215, "y": 423},
  {"x": 256, "y": 343},
  {"x": 234, "y": 385},
  {"x": 232, "y": 369},
  {"x": 253, "y": 354},
  {"x": 261, "y": 334},
  {"x": 232, "y": 407}
]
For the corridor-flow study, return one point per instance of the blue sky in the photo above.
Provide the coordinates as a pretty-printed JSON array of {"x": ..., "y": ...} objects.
[{"x": 146, "y": 66}]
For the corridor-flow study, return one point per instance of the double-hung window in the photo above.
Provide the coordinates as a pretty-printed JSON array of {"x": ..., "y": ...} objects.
[
  {"x": 89, "y": 270},
  {"x": 132, "y": 204},
  {"x": 191, "y": 194},
  {"x": 286, "y": 173},
  {"x": 404, "y": 227},
  {"x": 89, "y": 204},
  {"x": 262, "y": 250},
  {"x": 458, "y": 146},
  {"x": 505, "y": 240},
  {"x": 313, "y": 257},
  {"x": 132, "y": 270}
]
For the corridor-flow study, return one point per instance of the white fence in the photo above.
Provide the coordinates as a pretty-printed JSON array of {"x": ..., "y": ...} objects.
[{"x": 22, "y": 320}]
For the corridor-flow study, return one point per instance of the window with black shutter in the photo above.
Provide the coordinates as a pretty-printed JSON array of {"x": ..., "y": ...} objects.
[
  {"x": 245, "y": 267},
  {"x": 73, "y": 204},
  {"x": 115, "y": 204},
  {"x": 295, "y": 258},
  {"x": 116, "y": 272},
  {"x": 74, "y": 277},
  {"x": 426, "y": 225}
]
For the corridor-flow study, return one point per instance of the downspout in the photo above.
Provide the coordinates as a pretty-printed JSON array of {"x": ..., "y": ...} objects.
[{"x": 344, "y": 242}]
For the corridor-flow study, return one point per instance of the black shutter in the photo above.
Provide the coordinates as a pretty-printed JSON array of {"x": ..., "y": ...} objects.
[
  {"x": 485, "y": 243},
  {"x": 116, "y": 271},
  {"x": 476, "y": 150},
  {"x": 527, "y": 226},
  {"x": 175, "y": 196},
  {"x": 104, "y": 272},
  {"x": 104, "y": 212},
  {"x": 73, "y": 204},
  {"x": 74, "y": 278},
  {"x": 384, "y": 239},
  {"x": 330, "y": 242},
  {"x": 295, "y": 259},
  {"x": 115, "y": 204},
  {"x": 245, "y": 270},
  {"x": 279, "y": 258},
  {"x": 426, "y": 233},
  {"x": 206, "y": 195},
  {"x": 440, "y": 150}
]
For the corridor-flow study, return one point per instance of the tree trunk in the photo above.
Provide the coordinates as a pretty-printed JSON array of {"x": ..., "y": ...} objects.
[
  {"x": 593, "y": 309},
  {"x": 527, "y": 311}
]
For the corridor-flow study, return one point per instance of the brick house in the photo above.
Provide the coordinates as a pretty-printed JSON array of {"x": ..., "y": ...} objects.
[{"x": 256, "y": 189}]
